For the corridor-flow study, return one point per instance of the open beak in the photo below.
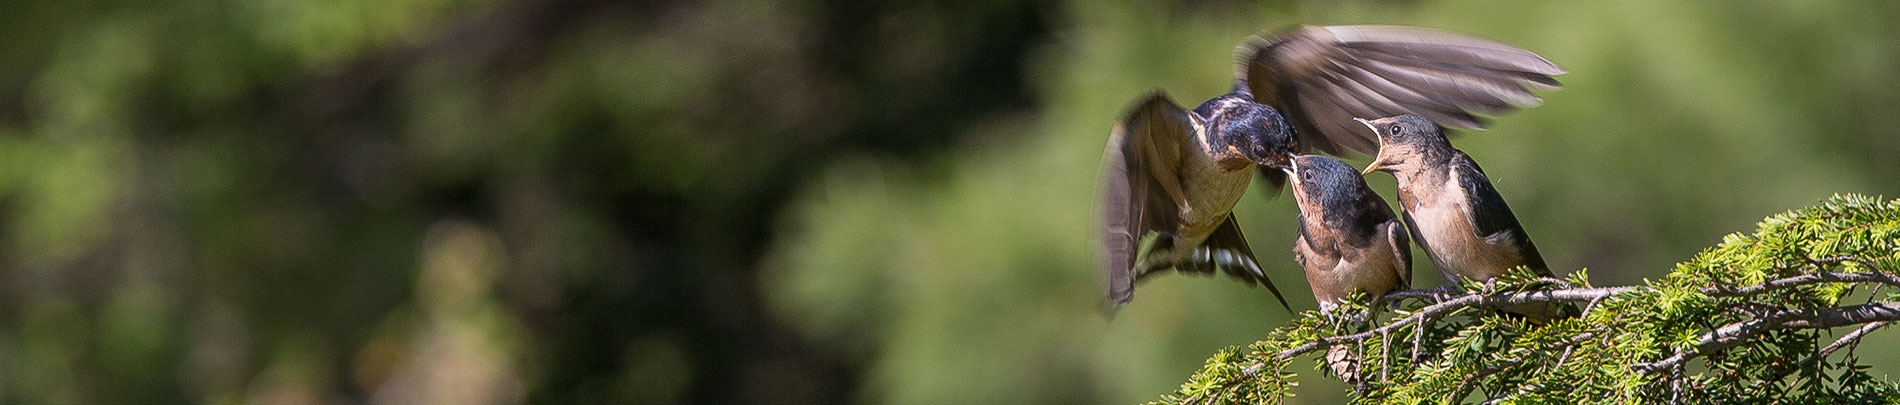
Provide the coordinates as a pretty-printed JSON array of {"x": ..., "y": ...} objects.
[
  {"x": 1292, "y": 170},
  {"x": 1369, "y": 125},
  {"x": 1378, "y": 160}
]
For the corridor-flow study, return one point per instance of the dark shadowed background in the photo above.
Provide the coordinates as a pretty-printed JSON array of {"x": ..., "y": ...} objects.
[{"x": 780, "y": 202}]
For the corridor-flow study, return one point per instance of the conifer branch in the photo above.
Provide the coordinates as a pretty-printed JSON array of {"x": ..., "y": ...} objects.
[
  {"x": 1740, "y": 308},
  {"x": 1740, "y": 332},
  {"x": 1586, "y": 295}
]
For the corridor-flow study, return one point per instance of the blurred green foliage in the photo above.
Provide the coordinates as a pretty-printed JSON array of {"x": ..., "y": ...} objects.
[{"x": 786, "y": 202}]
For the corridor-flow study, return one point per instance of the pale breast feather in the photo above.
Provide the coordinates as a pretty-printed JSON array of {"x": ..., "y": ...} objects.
[
  {"x": 1211, "y": 192},
  {"x": 1454, "y": 244}
]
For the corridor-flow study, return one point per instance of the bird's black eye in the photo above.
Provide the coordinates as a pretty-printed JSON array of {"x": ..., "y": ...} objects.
[
  {"x": 1395, "y": 128},
  {"x": 1306, "y": 176}
]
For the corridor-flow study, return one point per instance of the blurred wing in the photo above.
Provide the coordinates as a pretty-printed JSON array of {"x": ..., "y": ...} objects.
[
  {"x": 1491, "y": 216},
  {"x": 1321, "y": 78},
  {"x": 1143, "y": 150}
]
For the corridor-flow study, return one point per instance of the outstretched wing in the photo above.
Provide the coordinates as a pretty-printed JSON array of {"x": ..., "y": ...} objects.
[
  {"x": 1143, "y": 151},
  {"x": 1322, "y": 77}
]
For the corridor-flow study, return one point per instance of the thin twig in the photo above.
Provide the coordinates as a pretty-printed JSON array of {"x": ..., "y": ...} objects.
[
  {"x": 1592, "y": 305},
  {"x": 1385, "y": 357},
  {"x": 1462, "y": 302},
  {"x": 1849, "y": 338},
  {"x": 1816, "y": 318},
  {"x": 1837, "y": 259},
  {"x": 1359, "y": 369},
  {"x": 1465, "y": 385},
  {"x": 1418, "y": 340},
  {"x": 1675, "y": 385},
  {"x": 1801, "y": 280}
]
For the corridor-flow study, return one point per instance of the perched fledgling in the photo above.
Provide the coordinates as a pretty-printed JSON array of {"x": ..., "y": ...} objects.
[
  {"x": 1179, "y": 173},
  {"x": 1349, "y": 240},
  {"x": 1453, "y": 211}
]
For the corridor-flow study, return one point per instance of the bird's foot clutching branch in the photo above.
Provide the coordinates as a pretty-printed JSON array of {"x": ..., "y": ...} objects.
[{"x": 1442, "y": 293}]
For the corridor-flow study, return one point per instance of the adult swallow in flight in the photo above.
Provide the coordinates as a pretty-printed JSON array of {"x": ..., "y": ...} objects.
[{"x": 1178, "y": 173}]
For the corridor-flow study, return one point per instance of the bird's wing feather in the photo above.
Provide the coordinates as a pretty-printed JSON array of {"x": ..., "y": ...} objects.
[
  {"x": 1393, "y": 96},
  {"x": 1446, "y": 47},
  {"x": 1144, "y": 149},
  {"x": 1227, "y": 237},
  {"x": 1490, "y": 215},
  {"x": 1322, "y": 77},
  {"x": 1401, "y": 245}
]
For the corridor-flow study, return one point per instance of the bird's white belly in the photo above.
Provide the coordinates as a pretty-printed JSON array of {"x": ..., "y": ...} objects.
[
  {"x": 1211, "y": 193},
  {"x": 1451, "y": 240}
]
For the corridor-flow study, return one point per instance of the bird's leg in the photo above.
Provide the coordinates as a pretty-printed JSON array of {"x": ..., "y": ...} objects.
[
  {"x": 1360, "y": 320},
  {"x": 1341, "y": 322},
  {"x": 1332, "y": 319}
]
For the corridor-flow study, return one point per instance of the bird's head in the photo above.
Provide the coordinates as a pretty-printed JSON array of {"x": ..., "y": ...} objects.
[
  {"x": 1321, "y": 181},
  {"x": 1252, "y": 133},
  {"x": 1402, "y": 139}
]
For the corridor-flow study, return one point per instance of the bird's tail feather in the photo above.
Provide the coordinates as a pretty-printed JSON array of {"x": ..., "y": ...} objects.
[{"x": 1218, "y": 254}]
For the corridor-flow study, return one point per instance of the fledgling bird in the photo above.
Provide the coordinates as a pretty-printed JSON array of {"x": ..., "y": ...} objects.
[
  {"x": 1454, "y": 212},
  {"x": 1349, "y": 239},
  {"x": 1178, "y": 173}
]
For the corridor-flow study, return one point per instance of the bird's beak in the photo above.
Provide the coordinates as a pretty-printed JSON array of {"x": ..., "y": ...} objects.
[
  {"x": 1378, "y": 161},
  {"x": 1292, "y": 170},
  {"x": 1274, "y": 161}
]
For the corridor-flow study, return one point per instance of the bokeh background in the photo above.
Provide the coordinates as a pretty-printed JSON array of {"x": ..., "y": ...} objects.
[{"x": 755, "y": 201}]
